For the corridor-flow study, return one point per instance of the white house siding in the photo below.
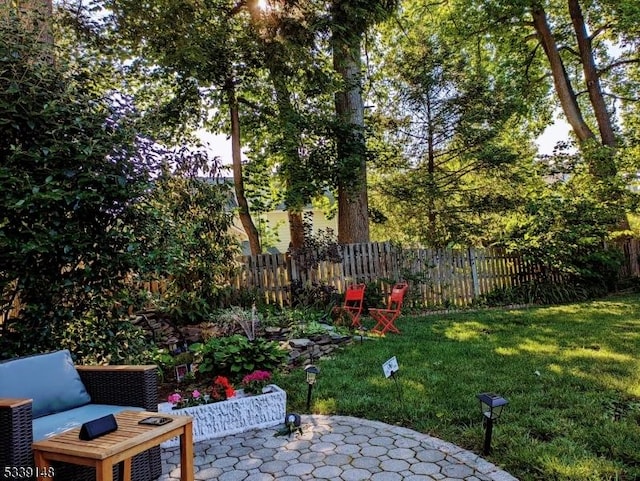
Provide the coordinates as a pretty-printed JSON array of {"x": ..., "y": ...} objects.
[{"x": 280, "y": 219}]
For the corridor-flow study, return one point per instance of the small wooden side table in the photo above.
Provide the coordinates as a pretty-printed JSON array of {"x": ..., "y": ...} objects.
[{"x": 106, "y": 451}]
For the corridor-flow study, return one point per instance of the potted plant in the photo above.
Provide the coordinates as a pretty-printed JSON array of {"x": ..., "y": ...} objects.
[
  {"x": 221, "y": 390},
  {"x": 220, "y": 411}
]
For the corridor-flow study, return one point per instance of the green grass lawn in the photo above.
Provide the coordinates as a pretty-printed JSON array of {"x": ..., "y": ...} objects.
[{"x": 571, "y": 375}]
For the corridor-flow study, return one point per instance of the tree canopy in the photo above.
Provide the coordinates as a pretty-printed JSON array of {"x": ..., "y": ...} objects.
[{"x": 428, "y": 112}]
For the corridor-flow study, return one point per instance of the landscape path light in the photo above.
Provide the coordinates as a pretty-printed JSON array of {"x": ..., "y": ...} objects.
[
  {"x": 173, "y": 345},
  {"x": 361, "y": 330},
  {"x": 491, "y": 406},
  {"x": 312, "y": 372}
]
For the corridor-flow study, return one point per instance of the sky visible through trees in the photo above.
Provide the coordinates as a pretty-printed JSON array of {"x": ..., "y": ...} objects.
[{"x": 220, "y": 145}]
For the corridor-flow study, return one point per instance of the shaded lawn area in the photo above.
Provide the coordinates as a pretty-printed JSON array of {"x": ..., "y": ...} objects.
[{"x": 571, "y": 375}]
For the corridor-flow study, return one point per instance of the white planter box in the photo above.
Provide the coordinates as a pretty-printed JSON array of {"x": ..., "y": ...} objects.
[{"x": 233, "y": 416}]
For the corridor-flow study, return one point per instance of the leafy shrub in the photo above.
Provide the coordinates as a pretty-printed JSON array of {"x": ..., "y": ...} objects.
[
  {"x": 308, "y": 329},
  {"x": 315, "y": 328},
  {"x": 318, "y": 246},
  {"x": 373, "y": 296},
  {"x": 564, "y": 229},
  {"x": 273, "y": 315},
  {"x": 185, "y": 307},
  {"x": 185, "y": 230},
  {"x": 161, "y": 358},
  {"x": 501, "y": 296},
  {"x": 236, "y": 356},
  {"x": 291, "y": 317},
  {"x": 71, "y": 173},
  {"x": 98, "y": 341},
  {"x": 535, "y": 292},
  {"x": 315, "y": 295}
]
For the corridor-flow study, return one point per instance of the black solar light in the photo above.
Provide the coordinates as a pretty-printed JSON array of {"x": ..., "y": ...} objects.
[
  {"x": 361, "y": 330},
  {"x": 491, "y": 406},
  {"x": 312, "y": 371},
  {"x": 173, "y": 345}
]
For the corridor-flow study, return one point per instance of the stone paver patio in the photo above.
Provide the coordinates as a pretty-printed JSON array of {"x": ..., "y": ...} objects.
[{"x": 333, "y": 448}]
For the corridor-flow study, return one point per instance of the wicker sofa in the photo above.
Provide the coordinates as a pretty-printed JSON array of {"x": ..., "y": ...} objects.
[{"x": 37, "y": 400}]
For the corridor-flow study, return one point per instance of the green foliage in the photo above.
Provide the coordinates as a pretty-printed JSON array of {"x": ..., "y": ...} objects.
[
  {"x": 292, "y": 317},
  {"x": 184, "y": 230},
  {"x": 457, "y": 130},
  {"x": 70, "y": 170},
  {"x": 162, "y": 358},
  {"x": 309, "y": 327},
  {"x": 318, "y": 246},
  {"x": 564, "y": 229},
  {"x": 312, "y": 295},
  {"x": 373, "y": 296},
  {"x": 90, "y": 339},
  {"x": 235, "y": 356},
  {"x": 534, "y": 292},
  {"x": 96, "y": 341},
  {"x": 185, "y": 307}
]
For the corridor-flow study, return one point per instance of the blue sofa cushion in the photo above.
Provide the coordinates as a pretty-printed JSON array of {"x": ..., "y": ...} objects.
[
  {"x": 46, "y": 426},
  {"x": 51, "y": 380}
]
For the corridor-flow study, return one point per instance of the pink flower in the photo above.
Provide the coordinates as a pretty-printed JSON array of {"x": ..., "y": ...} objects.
[
  {"x": 174, "y": 398},
  {"x": 256, "y": 376},
  {"x": 254, "y": 383},
  {"x": 195, "y": 394}
]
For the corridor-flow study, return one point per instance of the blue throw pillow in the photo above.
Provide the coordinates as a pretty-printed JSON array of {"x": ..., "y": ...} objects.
[{"x": 51, "y": 380}]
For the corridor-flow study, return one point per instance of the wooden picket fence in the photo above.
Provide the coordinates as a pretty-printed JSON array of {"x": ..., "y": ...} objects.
[{"x": 437, "y": 277}]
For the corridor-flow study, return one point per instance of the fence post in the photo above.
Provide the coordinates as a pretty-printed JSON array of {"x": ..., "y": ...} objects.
[{"x": 474, "y": 272}]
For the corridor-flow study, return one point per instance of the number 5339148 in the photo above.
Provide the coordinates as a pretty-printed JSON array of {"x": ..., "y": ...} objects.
[{"x": 20, "y": 472}]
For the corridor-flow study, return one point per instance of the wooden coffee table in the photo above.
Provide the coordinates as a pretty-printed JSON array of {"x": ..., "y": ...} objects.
[{"x": 106, "y": 451}]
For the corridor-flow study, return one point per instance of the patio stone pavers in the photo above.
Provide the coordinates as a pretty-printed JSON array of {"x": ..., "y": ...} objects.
[{"x": 339, "y": 448}]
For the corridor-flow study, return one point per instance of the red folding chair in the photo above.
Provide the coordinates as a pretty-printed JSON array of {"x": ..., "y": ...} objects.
[
  {"x": 386, "y": 318},
  {"x": 352, "y": 307}
]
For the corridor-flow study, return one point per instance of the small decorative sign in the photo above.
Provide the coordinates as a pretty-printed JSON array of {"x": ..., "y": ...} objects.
[
  {"x": 390, "y": 367},
  {"x": 181, "y": 372}
]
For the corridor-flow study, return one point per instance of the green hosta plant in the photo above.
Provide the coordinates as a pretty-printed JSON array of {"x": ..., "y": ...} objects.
[{"x": 236, "y": 356}]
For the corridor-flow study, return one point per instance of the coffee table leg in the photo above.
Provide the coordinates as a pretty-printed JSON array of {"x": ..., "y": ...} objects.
[
  {"x": 186, "y": 454},
  {"x": 41, "y": 463},
  {"x": 124, "y": 470},
  {"x": 104, "y": 471}
]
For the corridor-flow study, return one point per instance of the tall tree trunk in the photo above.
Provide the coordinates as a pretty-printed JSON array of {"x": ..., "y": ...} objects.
[
  {"x": 561, "y": 81},
  {"x": 591, "y": 75},
  {"x": 291, "y": 133},
  {"x": 431, "y": 166},
  {"x": 353, "y": 204},
  {"x": 238, "y": 182},
  {"x": 601, "y": 164},
  {"x": 292, "y": 139},
  {"x": 296, "y": 229}
]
